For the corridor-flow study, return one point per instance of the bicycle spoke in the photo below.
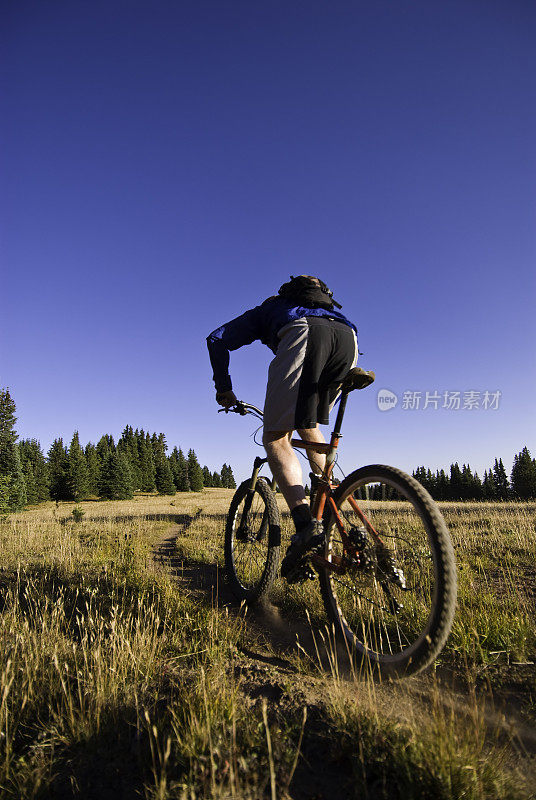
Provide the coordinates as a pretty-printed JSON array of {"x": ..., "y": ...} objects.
[
  {"x": 373, "y": 606},
  {"x": 249, "y": 555},
  {"x": 354, "y": 590}
]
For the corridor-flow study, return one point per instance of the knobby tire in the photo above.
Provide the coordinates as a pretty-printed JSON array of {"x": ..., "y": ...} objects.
[
  {"x": 431, "y": 640},
  {"x": 269, "y": 545}
]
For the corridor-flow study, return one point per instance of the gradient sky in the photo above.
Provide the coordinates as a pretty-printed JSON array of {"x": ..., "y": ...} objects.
[{"x": 166, "y": 165}]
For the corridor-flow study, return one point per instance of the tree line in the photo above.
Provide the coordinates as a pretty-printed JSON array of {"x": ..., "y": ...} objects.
[
  {"x": 461, "y": 483},
  {"x": 138, "y": 461}
]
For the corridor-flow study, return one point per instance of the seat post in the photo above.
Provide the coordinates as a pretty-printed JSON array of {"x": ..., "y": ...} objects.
[
  {"x": 340, "y": 415},
  {"x": 334, "y": 443}
]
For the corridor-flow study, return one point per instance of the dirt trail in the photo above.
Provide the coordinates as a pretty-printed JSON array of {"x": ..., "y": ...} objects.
[
  {"x": 266, "y": 672},
  {"x": 263, "y": 672}
]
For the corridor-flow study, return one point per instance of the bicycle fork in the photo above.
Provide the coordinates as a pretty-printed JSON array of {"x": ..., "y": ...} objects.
[{"x": 243, "y": 528}]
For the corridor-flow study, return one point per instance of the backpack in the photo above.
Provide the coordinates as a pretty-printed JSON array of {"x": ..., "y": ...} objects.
[{"x": 308, "y": 292}]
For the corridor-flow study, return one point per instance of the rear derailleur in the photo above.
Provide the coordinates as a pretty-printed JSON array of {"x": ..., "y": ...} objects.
[
  {"x": 388, "y": 567},
  {"x": 379, "y": 561}
]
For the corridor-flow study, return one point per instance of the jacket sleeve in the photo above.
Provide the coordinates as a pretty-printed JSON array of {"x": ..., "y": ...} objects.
[{"x": 245, "y": 329}]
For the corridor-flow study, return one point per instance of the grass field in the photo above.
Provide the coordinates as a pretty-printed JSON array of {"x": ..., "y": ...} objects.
[{"x": 126, "y": 670}]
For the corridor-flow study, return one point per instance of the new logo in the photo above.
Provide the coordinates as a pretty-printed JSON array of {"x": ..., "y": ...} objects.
[{"x": 386, "y": 400}]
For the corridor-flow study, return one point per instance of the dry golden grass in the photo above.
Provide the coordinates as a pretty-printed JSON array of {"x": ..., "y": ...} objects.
[{"x": 119, "y": 680}]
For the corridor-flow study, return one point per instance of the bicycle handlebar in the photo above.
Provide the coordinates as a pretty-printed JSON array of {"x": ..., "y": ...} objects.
[{"x": 243, "y": 409}]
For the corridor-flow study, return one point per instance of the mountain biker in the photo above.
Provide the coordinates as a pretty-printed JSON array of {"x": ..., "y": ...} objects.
[{"x": 315, "y": 346}]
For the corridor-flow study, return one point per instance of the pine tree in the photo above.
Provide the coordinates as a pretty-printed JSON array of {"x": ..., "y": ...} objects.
[
  {"x": 173, "y": 463},
  {"x": 107, "y": 470},
  {"x": 4, "y": 494},
  {"x": 195, "y": 473},
  {"x": 423, "y": 476},
  {"x": 456, "y": 483},
  {"x": 147, "y": 468},
  {"x": 116, "y": 478},
  {"x": 477, "y": 493},
  {"x": 28, "y": 471},
  {"x": 31, "y": 455},
  {"x": 128, "y": 443},
  {"x": 524, "y": 476},
  {"x": 29, "y": 481},
  {"x": 227, "y": 477},
  {"x": 180, "y": 471},
  {"x": 419, "y": 474},
  {"x": 488, "y": 486},
  {"x": 500, "y": 480},
  {"x": 124, "y": 485},
  {"x": 216, "y": 480},
  {"x": 105, "y": 446},
  {"x": 136, "y": 452},
  {"x": 231, "y": 483},
  {"x": 8, "y": 437},
  {"x": 58, "y": 464},
  {"x": 466, "y": 482},
  {"x": 442, "y": 485},
  {"x": 163, "y": 475},
  {"x": 77, "y": 473},
  {"x": 10, "y": 465},
  {"x": 207, "y": 478},
  {"x": 93, "y": 469},
  {"x": 430, "y": 482}
]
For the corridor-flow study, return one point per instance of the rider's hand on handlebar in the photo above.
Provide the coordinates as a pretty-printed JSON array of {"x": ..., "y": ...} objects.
[{"x": 226, "y": 399}]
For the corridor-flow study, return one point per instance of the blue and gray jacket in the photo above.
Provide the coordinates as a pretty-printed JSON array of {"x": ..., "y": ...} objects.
[{"x": 260, "y": 323}]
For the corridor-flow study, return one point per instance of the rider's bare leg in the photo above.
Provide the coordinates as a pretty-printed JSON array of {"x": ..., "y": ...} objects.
[
  {"x": 316, "y": 460},
  {"x": 285, "y": 467}
]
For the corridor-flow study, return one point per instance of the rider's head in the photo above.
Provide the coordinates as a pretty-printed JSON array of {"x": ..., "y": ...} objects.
[{"x": 309, "y": 290}]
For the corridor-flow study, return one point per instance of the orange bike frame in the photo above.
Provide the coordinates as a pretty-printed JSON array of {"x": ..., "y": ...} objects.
[{"x": 324, "y": 495}]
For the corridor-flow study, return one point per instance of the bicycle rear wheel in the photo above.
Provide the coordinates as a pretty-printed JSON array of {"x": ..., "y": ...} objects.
[
  {"x": 252, "y": 541},
  {"x": 393, "y": 603}
]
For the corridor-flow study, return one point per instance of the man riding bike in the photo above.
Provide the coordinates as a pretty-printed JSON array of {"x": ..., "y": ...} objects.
[{"x": 315, "y": 346}]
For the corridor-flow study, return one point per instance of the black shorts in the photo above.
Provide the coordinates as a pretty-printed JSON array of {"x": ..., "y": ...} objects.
[{"x": 312, "y": 359}]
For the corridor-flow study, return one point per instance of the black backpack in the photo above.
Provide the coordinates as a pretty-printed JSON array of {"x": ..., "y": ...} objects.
[{"x": 308, "y": 292}]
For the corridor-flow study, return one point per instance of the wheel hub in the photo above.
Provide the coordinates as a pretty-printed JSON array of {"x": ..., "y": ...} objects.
[{"x": 244, "y": 534}]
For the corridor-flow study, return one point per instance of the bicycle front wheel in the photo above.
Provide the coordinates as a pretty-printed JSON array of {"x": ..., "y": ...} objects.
[
  {"x": 252, "y": 541},
  {"x": 394, "y": 602}
]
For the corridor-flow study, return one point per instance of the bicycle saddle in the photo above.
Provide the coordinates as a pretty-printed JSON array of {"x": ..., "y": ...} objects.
[{"x": 357, "y": 378}]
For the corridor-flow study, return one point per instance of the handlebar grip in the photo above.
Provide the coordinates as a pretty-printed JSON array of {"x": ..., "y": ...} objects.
[
  {"x": 243, "y": 409},
  {"x": 236, "y": 409}
]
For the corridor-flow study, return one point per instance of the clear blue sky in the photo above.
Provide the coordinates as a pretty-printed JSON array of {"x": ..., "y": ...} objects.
[{"x": 166, "y": 165}]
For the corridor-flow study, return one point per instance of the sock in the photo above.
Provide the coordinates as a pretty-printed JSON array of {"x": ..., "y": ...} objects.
[{"x": 301, "y": 516}]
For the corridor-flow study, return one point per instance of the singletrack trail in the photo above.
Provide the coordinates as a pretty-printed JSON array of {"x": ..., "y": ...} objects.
[
  {"x": 266, "y": 667},
  {"x": 262, "y": 671}
]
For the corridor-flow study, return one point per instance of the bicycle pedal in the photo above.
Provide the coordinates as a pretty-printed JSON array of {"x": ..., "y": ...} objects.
[
  {"x": 318, "y": 546},
  {"x": 294, "y": 576},
  {"x": 300, "y": 573}
]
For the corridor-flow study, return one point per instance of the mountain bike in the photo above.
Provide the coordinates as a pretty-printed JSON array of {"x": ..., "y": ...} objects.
[{"x": 386, "y": 569}]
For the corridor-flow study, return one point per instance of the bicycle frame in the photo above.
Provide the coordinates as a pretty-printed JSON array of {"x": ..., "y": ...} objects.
[{"x": 324, "y": 494}]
